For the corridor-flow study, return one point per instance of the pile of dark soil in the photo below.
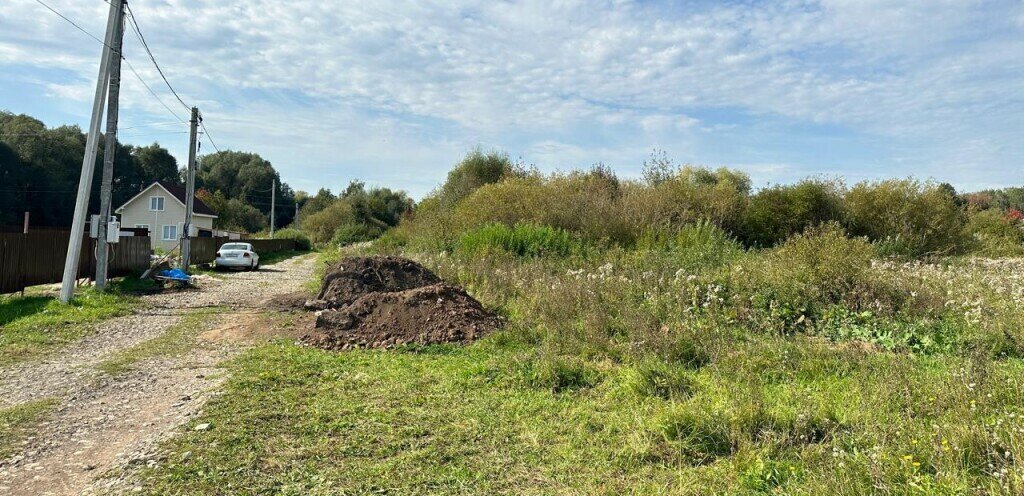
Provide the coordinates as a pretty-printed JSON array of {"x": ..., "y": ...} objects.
[
  {"x": 429, "y": 315},
  {"x": 382, "y": 302},
  {"x": 353, "y": 277}
]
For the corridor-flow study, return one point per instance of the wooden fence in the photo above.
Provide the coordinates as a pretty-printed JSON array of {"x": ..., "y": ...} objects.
[
  {"x": 204, "y": 250},
  {"x": 38, "y": 258}
]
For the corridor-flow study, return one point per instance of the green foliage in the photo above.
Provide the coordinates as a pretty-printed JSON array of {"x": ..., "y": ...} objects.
[
  {"x": 994, "y": 234},
  {"x": 313, "y": 204},
  {"x": 790, "y": 286},
  {"x": 38, "y": 165},
  {"x": 693, "y": 246},
  {"x": 322, "y": 225},
  {"x": 778, "y": 212},
  {"x": 907, "y": 216},
  {"x": 347, "y": 234},
  {"x": 247, "y": 177},
  {"x": 302, "y": 242},
  {"x": 233, "y": 214},
  {"x": 522, "y": 239},
  {"x": 690, "y": 195},
  {"x": 475, "y": 170}
]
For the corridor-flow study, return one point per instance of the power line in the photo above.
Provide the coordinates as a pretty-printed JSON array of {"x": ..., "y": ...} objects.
[
  {"x": 138, "y": 33},
  {"x": 80, "y": 28},
  {"x": 120, "y": 53}
]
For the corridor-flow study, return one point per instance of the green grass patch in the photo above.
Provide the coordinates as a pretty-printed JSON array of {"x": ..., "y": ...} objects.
[
  {"x": 176, "y": 340},
  {"x": 35, "y": 324},
  {"x": 464, "y": 421},
  {"x": 18, "y": 421}
]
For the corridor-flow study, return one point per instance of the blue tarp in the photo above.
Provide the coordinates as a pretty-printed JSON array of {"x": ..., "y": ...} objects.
[{"x": 175, "y": 274}]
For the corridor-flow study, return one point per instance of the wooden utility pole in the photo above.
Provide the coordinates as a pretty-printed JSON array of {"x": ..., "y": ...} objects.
[
  {"x": 109, "y": 149},
  {"x": 67, "y": 288},
  {"x": 190, "y": 190},
  {"x": 273, "y": 193}
]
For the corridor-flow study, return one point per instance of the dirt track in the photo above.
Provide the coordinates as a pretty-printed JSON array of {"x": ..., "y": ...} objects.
[{"x": 103, "y": 422}]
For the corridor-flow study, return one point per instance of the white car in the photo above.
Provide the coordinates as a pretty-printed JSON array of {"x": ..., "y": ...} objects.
[{"x": 237, "y": 256}]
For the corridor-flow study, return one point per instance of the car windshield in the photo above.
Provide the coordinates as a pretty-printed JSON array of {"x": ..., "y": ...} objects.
[{"x": 235, "y": 246}]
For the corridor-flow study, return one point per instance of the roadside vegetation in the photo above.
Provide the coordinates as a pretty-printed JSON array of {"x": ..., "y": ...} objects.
[
  {"x": 36, "y": 323},
  {"x": 680, "y": 334}
]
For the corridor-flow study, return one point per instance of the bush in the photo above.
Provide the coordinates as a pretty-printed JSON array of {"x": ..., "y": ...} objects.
[
  {"x": 690, "y": 195},
  {"x": 692, "y": 247},
  {"x": 585, "y": 203},
  {"x": 322, "y": 225},
  {"x": 475, "y": 170},
  {"x": 791, "y": 286},
  {"x": 779, "y": 212},
  {"x": 354, "y": 233},
  {"x": 907, "y": 217},
  {"x": 302, "y": 242},
  {"x": 995, "y": 234},
  {"x": 523, "y": 240}
]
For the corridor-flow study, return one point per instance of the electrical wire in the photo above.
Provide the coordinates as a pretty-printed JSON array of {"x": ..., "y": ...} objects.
[{"x": 138, "y": 33}]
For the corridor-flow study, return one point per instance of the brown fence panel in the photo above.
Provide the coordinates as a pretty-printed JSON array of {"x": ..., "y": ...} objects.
[
  {"x": 11, "y": 246},
  {"x": 271, "y": 245},
  {"x": 38, "y": 258}
]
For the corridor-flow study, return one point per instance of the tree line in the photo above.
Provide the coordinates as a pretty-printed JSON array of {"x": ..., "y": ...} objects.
[{"x": 40, "y": 168}]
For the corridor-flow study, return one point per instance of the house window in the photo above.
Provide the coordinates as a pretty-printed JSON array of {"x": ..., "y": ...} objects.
[
  {"x": 170, "y": 233},
  {"x": 156, "y": 204},
  {"x": 142, "y": 226}
]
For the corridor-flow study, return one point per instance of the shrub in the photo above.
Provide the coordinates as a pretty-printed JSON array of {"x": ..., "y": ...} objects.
[
  {"x": 523, "y": 239},
  {"x": 909, "y": 217},
  {"x": 354, "y": 233},
  {"x": 322, "y": 225},
  {"x": 695, "y": 246},
  {"x": 689, "y": 196},
  {"x": 793, "y": 284},
  {"x": 995, "y": 234},
  {"x": 475, "y": 170},
  {"x": 302, "y": 242},
  {"x": 779, "y": 212},
  {"x": 585, "y": 203}
]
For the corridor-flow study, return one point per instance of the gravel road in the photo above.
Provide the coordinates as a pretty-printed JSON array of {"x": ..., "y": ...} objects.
[{"x": 103, "y": 422}]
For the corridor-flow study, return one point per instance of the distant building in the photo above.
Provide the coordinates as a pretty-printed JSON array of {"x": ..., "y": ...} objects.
[{"x": 161, "y": 209}]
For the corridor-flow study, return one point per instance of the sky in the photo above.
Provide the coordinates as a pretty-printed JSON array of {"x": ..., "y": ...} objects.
[{"x": 394, "y": 93}]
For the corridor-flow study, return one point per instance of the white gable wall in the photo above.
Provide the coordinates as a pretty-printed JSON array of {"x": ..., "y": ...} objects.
[{"x": 136, "y": 213}]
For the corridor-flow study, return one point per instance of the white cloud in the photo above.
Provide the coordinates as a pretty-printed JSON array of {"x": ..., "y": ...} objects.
[{"x": 412, "y": 81}]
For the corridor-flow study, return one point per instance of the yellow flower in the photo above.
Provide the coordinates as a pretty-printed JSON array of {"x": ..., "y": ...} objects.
[{"x": 908, "y": 457}]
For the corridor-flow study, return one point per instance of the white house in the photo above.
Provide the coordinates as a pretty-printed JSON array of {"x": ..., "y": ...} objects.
[{"x": 161, "y": 209}]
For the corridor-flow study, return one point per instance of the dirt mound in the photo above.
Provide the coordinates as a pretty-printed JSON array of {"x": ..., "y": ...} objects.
[
  {"x": 433, "y": 314},
  {"x": 353, "y": 277}
]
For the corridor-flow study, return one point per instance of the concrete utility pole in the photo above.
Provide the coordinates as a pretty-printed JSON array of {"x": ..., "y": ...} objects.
[
  {"x": 190, "y": 190},
  {"x": 24, "y": 228},
  {"x": 273, "y": 193},
  {"x": 107, "y": 183},
  {"x": 67, "y": 288}
]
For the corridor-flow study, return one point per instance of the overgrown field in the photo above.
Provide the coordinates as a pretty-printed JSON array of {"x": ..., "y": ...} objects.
[{"x": 680, "y": 353}]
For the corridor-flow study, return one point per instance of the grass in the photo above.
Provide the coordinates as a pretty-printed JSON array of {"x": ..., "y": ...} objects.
[
  {"x": 35, "y": 324},
  {"x": 621, "y": 375},
  {"x": 19, "y": 421},
  {"x": 176, "y": 340},
  {"x": 474, "y": 421}
]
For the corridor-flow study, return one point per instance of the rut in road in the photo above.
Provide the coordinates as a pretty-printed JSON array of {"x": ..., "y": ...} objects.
[{"x": 105, "y": 421}]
